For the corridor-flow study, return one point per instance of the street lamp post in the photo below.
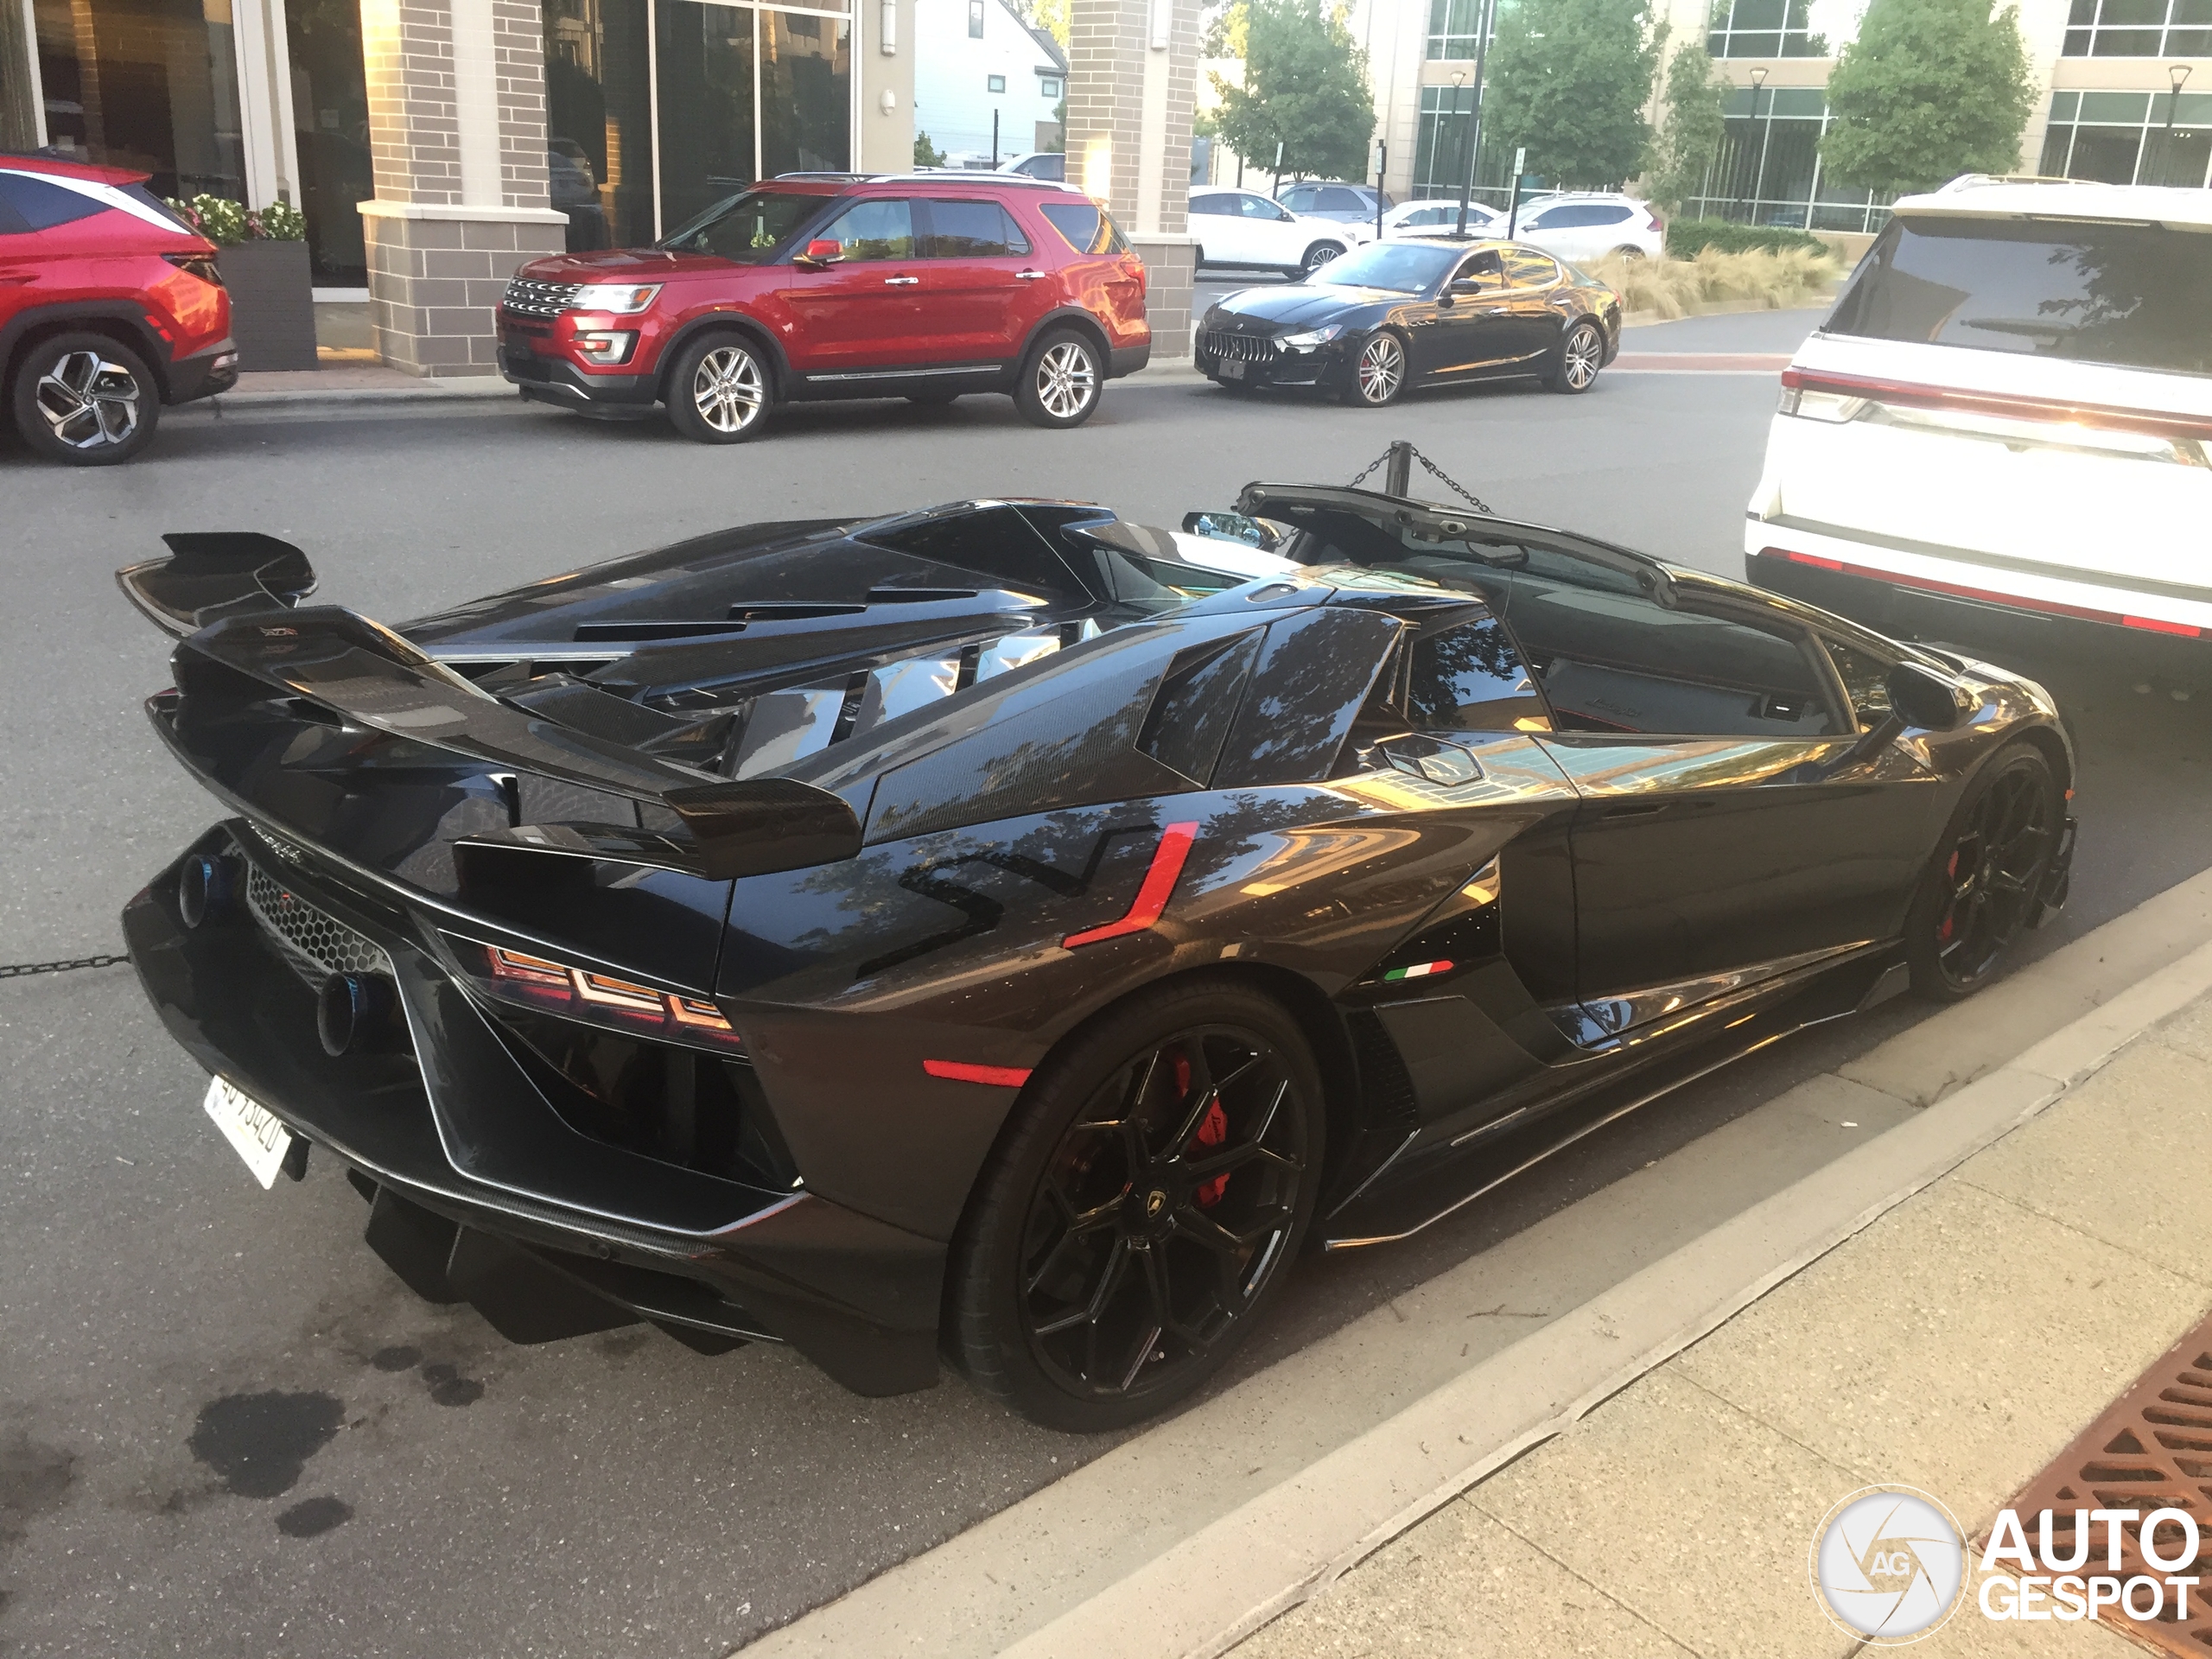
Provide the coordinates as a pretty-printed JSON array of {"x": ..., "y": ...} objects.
[
  {"x": 1483, "y": 9},
  {"x": 2177, "y": 74},
  {"x": 1766, "y": 135}
]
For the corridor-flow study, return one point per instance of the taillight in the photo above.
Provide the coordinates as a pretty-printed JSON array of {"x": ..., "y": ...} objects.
[
  {"x": 1651, "y": 222},
  {"x": 550, "y": 986},
  {"x": 201, "y": 265}
]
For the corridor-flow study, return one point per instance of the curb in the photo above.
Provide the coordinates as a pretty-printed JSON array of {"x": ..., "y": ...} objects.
[
  {"x": 338, "y": 397},
  {"x": 1071, "y": 1572}
]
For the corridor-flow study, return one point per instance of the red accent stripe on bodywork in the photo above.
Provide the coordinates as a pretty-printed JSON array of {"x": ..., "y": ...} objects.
[
  {"x": 1987, "y": 595},
  {"x": 999, "y": 1077},
  {"x": 1175, "y": 843},
  {"x": 2003, "y": 403}
]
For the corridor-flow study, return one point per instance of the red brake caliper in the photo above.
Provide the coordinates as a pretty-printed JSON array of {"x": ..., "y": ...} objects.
[{"x": 1213, "y": 1129}]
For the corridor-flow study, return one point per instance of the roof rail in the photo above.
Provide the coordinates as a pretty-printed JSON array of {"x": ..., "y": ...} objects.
[{"x": 933, "y": 176}]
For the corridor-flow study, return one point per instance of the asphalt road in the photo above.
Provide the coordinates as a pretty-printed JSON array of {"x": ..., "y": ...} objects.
[{"x": 224, "y": 1427}]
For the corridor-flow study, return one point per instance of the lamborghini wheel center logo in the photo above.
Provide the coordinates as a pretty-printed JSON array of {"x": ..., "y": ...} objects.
[
  {"x": 1888, "y": 1564},
  {"x": 1155, "y": 1201}
]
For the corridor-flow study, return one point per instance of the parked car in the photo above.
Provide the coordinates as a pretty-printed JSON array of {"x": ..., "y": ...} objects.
[
  {"x": 1580, "y": 228},
  {"x": 925, "y": 286},
  {"x": 110, "y": 308},
  {"x": 2010, "y": 407},
  {"x": 1401, "y": 315},
  {"x": 1049, "y": 165},
  {"x": 1430, "y": 217},
  {"x": 852, "y": 934},
  {"x": 1333, "y": 199},
  {"x": 1243, "y": 227}
]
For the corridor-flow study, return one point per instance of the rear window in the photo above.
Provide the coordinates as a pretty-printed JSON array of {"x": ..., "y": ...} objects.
[
  {"x": 38, "y": 204},
  {"x": 1089, "y": 229},
  {"x": 2132, "y": 295}
]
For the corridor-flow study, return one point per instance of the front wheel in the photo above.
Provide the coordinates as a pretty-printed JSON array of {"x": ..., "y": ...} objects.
[
  {"x": 85, "y": 400},
  {"x": 1059, "y": 384},
  {"x": 1319, "y": 255},
  {"x": 718, "y": 391},
  {"x": 1154, "y": 1186},
  {"x": 1981, "y": 889},
  {"x": 1580, "y": 355},
  {"x": 1378, "y": 373}
]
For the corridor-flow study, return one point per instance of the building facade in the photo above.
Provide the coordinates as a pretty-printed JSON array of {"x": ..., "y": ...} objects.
[
  {"x": 988, "y": 85},
  {"x": 2113, "y": 77}
]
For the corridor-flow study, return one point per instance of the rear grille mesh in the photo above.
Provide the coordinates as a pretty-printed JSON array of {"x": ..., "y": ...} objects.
[
  {"x": 526, "y": 298},
  {"x": 1244, "y": 349},
  {"x": 313, "y": 945}
]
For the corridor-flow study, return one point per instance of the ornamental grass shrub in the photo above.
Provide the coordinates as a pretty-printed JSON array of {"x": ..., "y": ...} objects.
[
  {"x": 1687, "y": 238},
  {"x": 1670, "y": 288}
]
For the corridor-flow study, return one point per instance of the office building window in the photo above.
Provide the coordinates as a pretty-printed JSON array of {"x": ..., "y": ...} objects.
[
  {"x": 2139, "y": 28},
  {"x": 975, "y": 20},
  {"x": 1763, "y": 29},
  {"x": 994, "y": 82},
  {"x": 2128, "y": 139},
  {"x": 1452, "y": 25}
]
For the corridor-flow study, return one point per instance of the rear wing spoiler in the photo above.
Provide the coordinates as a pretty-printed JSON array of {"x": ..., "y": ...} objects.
[
  {"x": 370, "y": 676},
  {"x": 209, "y": 575}
]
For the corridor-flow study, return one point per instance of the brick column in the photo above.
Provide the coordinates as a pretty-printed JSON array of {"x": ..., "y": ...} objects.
[
  {"x": 457, "y": 140},
  {"x": 1133, "y": 70}
]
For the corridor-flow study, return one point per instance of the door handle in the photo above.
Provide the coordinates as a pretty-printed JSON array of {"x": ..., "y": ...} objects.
[
  {"x": 1028, "y": 275},
  {"x": 900, "y": 282},
  {"x": 1634, "y": 809}
]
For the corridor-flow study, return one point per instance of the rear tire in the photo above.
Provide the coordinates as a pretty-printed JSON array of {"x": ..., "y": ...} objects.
[
  {"x": 1060, "y": 380},
  {"x": 719, "y": 391},
  {"x": 1575, "y": 371},
  {"x": 1152, "y": 1186},
  {"x": 1319, "y": 255},
  {"x": 85, "y": 400},
  {"x": 1978, "y": 894}
]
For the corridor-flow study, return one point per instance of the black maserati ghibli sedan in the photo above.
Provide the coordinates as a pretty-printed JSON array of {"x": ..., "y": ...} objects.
[
  {"x": 1007, "y": 933},
  {"x": 1399, "y": 315}
]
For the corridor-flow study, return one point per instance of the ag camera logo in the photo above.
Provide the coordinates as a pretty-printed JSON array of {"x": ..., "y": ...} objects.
[{"x": 1888, "y": 1565}]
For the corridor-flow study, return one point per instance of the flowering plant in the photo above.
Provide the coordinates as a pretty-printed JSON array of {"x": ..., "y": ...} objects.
[{"x": 228, "y": 223}]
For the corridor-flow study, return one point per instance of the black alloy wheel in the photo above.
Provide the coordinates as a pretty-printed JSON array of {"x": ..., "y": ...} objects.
[
  {"x": 85, "y": 399},
  {"x": 1155, "y": 1182},
  {"x": 1379, "y": 372},
  {"x": 1319, "y": 255},
  {"x": 1980, "y": 891},
  {"x": 1058, "y": 386},
  {"x": 719, "y": 391},
  {"x": 1581, "y": 355}
]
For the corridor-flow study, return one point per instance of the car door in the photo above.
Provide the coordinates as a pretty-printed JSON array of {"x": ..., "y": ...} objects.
[
  {"x": 1467, "y": 328},
  {"x": 1299, "y": 197},
  {"x": 1556, "y": 229},
  {"x": 1733, "y": 819},
  {"x": 983, "y": 288},
  {"x": 1535, "y": 316},
  {"x": 863, "y": 313},
  {"x": 1342, "y": 204},
  {"x": 1274, "y": 236},
  {"x": 1217, "y": 221}
]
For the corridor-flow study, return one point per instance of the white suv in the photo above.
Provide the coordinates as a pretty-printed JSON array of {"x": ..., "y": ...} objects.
[
  {"x": 1578, "y": 228},
  {"x": 2010, "y": 406},
  {"x": 1243, "y": 227}
]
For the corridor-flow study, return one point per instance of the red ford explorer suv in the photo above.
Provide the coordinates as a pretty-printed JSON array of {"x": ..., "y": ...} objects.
[
  {"x": 816, "y": 286},
  {"x": 109, "y": 307}
]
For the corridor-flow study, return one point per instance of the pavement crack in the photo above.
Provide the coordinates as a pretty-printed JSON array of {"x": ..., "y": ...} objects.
[
  {"x": 1633, "y": 1612},
  {"x": 2080, "y": 1231}
]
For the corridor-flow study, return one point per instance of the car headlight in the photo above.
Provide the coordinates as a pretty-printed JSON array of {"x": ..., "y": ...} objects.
[
  {"x": 1311, "y": 338},
  {"x": 621, "y": 299}
]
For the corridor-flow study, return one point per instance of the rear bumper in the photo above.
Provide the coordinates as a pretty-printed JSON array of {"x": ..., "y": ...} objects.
[
  {"x": 204, "y": 373},
  {"x": 1128, "y": 360},
  {"x": 484, "y": 1193},
  {"x": 1916, "y": 587}
]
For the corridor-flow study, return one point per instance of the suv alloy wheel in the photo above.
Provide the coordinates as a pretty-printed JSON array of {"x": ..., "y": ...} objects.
[
  {"x": 718, "y": 392},
  {"x": 1059, "y": 384},
  {"x": 85, "y": 399}
]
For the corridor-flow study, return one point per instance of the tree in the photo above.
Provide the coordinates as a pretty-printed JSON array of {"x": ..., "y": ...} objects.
[
  {"x": 1305, "y": 88},
  {"x": 1929, "y": 90},
  {"x": 926, "y": 153},
  {"x": 1569, "y": 79},
  {"x": 1226, "y": 31},
  {"x": 1696, "y": 121}
]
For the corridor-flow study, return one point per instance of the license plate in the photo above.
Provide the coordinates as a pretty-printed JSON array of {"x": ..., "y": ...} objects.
[
  {"x": 251, "y": 1127},
  {"x": 1232, "y": 369}
]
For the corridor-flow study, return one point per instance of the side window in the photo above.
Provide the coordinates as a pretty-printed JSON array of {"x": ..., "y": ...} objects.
[
  {"x": 1223, "y": 206},
  {"x": 1866, "y": 682},
  {"x": 1260, "y": 207},
  {"x": 1087, "y": 229},
  {"x": 882, "y": 229},
  {"x": 973, "y": 230},
  {"x": 1612, "y": 660},
  {"x": 1467, "y": 678},
  {"x": 1615, "y": 215},
  {"x": 1529, "y": 269},
  {"x": 41, "y": 205},
  {"x": 1484, "y": 268},
  {"x": 1299, "y": 197},
  {"x": 1341, "y": 200}
]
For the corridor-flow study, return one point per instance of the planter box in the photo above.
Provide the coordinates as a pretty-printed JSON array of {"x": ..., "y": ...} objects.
[{"x": 272, "y": 304}]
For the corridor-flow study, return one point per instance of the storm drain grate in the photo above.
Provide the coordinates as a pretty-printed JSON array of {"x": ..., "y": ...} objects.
[{"x": 2151, "y": 1450}]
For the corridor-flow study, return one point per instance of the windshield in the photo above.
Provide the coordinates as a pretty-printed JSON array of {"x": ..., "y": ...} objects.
[
  {"x": 1396, "y": 267},
  {"x": 747, "y": 227},
  {"x": 2127, "y": 295}
]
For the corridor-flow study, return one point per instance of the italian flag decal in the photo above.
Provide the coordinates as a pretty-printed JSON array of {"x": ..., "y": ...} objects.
[{"x": 1419, "y": 971}]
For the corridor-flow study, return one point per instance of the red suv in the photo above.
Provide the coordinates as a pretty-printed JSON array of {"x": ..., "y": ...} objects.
[
  {"x": 109, "y": 307},
  {"x": 816, "y": 286}
]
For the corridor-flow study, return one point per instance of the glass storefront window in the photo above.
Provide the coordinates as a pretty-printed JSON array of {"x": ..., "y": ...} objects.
[
  {"x": 599, "y": 128},
  {"x": 330, "y": 122},
  {"x": 2130, "y": 137},
  {"x": 145, "y": 83},
  {"x": 806, "y": 93}
]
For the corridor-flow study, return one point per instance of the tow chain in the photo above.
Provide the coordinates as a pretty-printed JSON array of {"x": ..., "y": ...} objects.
[
  {"x": 23, "y": 970},
  {"x": 1435, "y": 471}
]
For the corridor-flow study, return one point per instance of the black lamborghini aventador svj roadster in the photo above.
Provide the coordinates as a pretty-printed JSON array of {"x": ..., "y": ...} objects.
[{"x": 1009, "y": 933}]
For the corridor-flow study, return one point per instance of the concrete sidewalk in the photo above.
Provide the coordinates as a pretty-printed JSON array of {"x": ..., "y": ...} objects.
[{"x": 1956, "y": 1344}]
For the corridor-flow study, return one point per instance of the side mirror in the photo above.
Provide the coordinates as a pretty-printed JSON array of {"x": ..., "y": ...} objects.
[
  {"x": 822, "y": 251},
  {"x": 1434, "y": 759},
  {"x": 1465, "y": 287},
  {"x": 1919, "y": 696},
  {"x": 1234, "y": 527}
]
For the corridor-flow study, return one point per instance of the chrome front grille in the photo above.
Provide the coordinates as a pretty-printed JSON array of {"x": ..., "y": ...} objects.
[
  {"x": 314, "y": 945},
  {"x": 526, "y": 298},
  {"x": 1244, "y": 349}
]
